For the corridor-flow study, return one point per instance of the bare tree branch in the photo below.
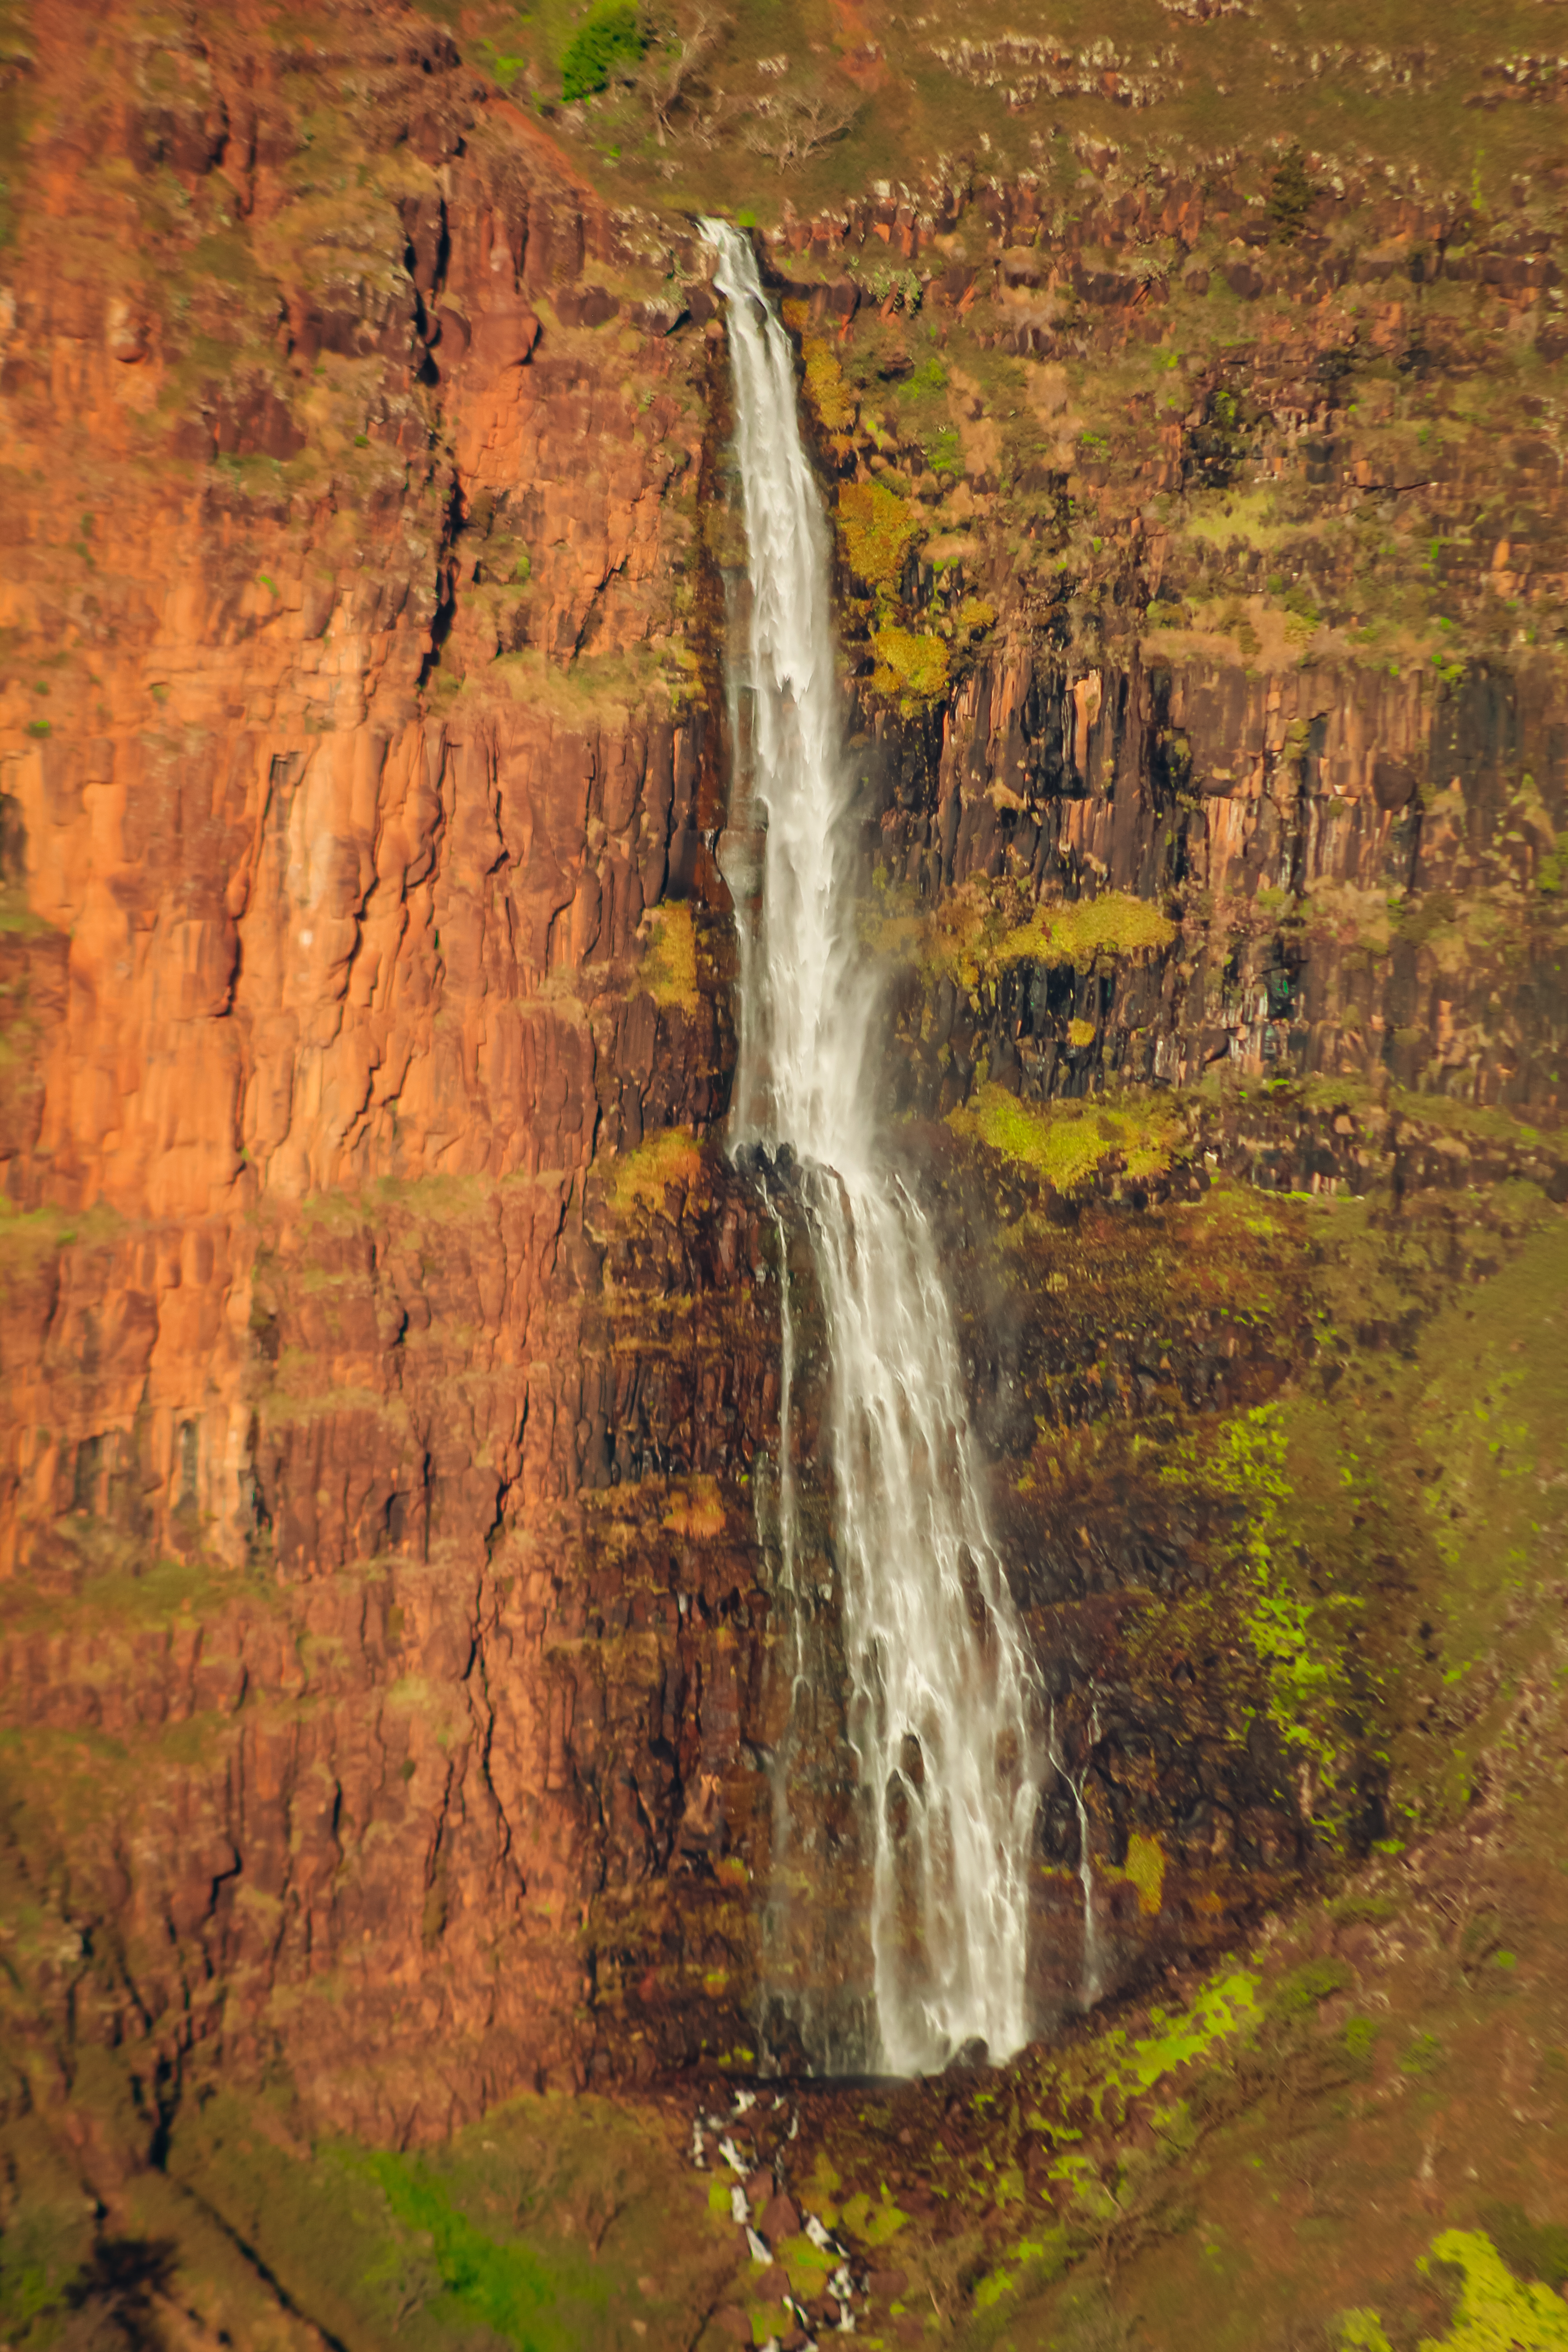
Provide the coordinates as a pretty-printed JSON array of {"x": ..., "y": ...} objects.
[
  {"x": 670, "y": 82},
  {"x": 796, "y": 123}
]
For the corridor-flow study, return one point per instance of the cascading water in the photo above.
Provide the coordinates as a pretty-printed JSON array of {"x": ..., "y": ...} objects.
[{"x": 944, "y": 1705}]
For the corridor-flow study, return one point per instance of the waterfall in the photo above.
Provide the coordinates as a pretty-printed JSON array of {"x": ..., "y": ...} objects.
[
  {"x": 1089, "y": 1983},
  {"x": 943, "y": 1700}
]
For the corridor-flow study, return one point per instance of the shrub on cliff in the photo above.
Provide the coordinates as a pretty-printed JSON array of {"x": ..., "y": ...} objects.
[
  {"x": 879, "y": 529},
  {"x": 911, "y": 669},
  {"x": 607, "y": 35},
  {"x": 1291, "y": 196}
]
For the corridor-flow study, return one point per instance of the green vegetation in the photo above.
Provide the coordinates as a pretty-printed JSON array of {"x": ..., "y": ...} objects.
[
  {"x": 1531, "y": 2250},
  {"x": 554, "y": 2225},
  {"x": 1299, "y": 1639},
  {"x": 28, "y": 1236},
  {"x": 1144, "y": 1870},
  {"x": 1495, "y": 2311},
  {"x": 668, "y": 968},
  {"x": 974, "y": 935},
  {"x": 912, "y": 669},
  {"x": 1065, "y": 1142},
  {"x": 1078, "y": 931},
  {"x": 609, "y": 36},
  {"x": 878, "y": 529},
  {"x": 829, "y": 396},
  {"x": 1291, "y": 195},
  {"x": 644, "y": 1175},
  {"x": 505, "y": 2287},
  {"x": 1121, "y": 2070}
]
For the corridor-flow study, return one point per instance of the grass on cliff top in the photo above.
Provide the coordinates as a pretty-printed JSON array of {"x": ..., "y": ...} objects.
[
  {"x": 1347, "y": 83},
  {"x": 1066, "y": 1142}
]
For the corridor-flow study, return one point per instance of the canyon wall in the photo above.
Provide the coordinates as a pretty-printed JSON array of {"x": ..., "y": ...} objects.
[
  {"x": 391, "y": 1355},
  {"x": 328, "y": 997}
]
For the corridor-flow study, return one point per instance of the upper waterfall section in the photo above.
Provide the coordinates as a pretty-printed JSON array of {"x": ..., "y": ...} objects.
[{"x": 804, "y": 1030}]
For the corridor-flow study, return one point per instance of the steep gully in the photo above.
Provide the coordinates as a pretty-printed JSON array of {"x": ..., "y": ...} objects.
[{"x": 943, "y": 1694}]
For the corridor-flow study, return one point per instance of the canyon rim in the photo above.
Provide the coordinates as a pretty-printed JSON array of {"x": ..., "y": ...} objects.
[{"x": 453, "y": 1840}]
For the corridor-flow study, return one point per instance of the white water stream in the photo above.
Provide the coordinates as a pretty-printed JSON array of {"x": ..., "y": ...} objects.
[{"x": 944, "y": 1707}]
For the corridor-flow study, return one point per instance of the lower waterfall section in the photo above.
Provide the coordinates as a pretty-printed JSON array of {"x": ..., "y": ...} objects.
[
  {"x": 942, "y": 1686},
  {"x": 944, "y": 1705}
]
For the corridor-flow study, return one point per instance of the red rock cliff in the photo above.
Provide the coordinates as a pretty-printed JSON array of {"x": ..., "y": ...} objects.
[{"x": 326, "y": 979}]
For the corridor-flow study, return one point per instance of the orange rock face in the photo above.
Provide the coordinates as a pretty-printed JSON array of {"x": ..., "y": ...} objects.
[{"x": 328, "y": 1001}]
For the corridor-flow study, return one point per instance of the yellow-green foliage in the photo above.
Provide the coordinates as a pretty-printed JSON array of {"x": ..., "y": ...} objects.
[
  {"x": 825, "y": 387},
  {"x": 1362, "y": 2331},
  {"x": 1074, "y": 932},
  {"x": 808, "y": 2267},
  {"x": 878, "y": 530},
  {"x": 1228, "y": 2005},
  {"x": 16, "y": 917},
  {"x": 1042, "y": 2259},
  {"x": 1066, "y": 1142},
  {"x": 1112, "y": 2071},
  {"x": 1497, "y": 2312},
  {"x": 670, "y": 1157},
  {"x": 871, "y": 2221},
  {"x": 1294, "y": 1635},
  {"x": 973, "y": 938},
  {"x": 670, "y": 961},
  {"x": 1145, "y": 1867},
  {"x": 975, "y": 614},
  {"x": 911, "y": 669},
  {"x": 1080, "y": 1033}
]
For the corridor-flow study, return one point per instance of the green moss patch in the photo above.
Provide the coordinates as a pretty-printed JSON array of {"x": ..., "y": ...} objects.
[
  {"x": 1116, "y": 2069},
  {"x": 975, "y": 933},
  {"x": 1496, "y": 2311},
  {"x": 1299, "y": 1636},
  {"x": 504, "y": 2284},
  {"x": 1066, "y": 1142}
]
